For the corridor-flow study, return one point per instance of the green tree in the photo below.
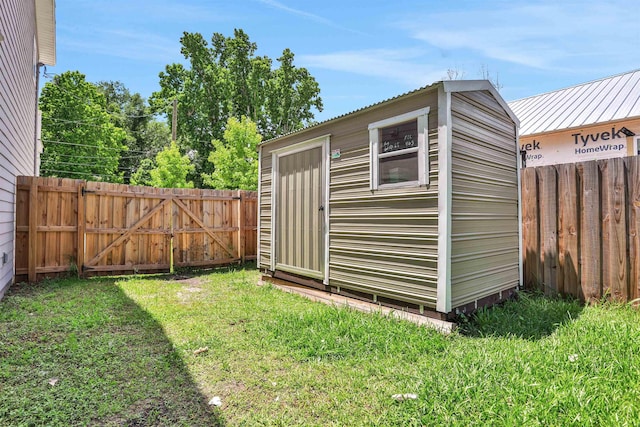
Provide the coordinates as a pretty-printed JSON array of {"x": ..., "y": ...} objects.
[
  {"x": 80, "y": 139},
  {"x": 142, "y": 174},
  {"x": 145, "y": 135},
  {"x": 235, "y": 160},
  {"x": 225, "y": 78},
  {"x": 172, "y": 169}
]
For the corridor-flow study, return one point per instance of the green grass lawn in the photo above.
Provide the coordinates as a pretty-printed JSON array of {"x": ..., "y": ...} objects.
[{"x": 120, "y": 351}]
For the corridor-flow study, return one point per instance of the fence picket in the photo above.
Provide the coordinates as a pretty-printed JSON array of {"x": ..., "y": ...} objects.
[
  {"x": 568, "y": 217},
  {"x": 633, "y": 202},
  {"x": 614, "y": 245},
  {"x": 531, "y": 239},
  {"x": 548, "y": 228}
]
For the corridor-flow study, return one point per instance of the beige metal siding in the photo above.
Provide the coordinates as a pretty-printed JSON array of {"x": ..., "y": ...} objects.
[
  {"x": 382, "y": 242},
  {"x": 264, "y": 211},
  {"x": 484, "y": 225},
  {"x": 17, "y": 121},
  {"x": 300, "y": 213}
]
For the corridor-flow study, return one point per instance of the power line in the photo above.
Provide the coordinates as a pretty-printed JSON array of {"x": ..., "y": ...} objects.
[
  {"x": 89, "y": 123},
  {"x": 49, "y": 141},
  {"x": 79, "y": 173},
  {"x": 48, "y": 153},
  {"x": 57, "y": 162}
]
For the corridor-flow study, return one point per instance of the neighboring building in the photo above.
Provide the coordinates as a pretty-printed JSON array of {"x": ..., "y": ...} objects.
[
  {"x": 27, "y": 39},
  {"x": 412, "y": 202},
  {"x": 594, "y": 120}
]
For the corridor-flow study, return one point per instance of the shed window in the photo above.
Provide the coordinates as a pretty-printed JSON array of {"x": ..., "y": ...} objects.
[{"x": 399, "y": 151}]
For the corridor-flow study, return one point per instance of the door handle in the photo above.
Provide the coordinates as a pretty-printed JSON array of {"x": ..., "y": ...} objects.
[{"x": 321, "y": 208}]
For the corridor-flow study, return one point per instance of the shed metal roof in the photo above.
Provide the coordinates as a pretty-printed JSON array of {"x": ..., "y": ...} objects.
[
  {"x": 46, "y": 31},
  {"x": 448, "y": 85},
  {"x": 608, "y": 99}
]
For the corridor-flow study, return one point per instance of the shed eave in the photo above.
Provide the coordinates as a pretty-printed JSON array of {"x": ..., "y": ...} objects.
[
  {"x": 46, "y": 31},
  {"x": 355, "y": 113}
]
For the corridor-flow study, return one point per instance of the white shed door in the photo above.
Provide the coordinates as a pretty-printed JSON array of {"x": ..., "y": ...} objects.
[{"x": 300, "y": 213}]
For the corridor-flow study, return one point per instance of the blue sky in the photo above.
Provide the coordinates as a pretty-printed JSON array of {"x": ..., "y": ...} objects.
[{"x": 362, "y": 52}]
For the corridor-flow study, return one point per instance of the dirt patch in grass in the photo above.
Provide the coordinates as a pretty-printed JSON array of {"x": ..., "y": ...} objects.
[{"x": 144, "y": 412}]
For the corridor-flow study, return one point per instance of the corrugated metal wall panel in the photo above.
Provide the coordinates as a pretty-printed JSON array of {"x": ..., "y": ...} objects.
[
  {"x": 300, "y": 224},
  {"x": 384, "y": 242},
  {"x": 484, "y": 226},
  {"x": 264, "y": 212}
]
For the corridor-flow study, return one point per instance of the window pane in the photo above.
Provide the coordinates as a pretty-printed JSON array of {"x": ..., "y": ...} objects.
[
  {"x": 399, "y": 137},
  {"x": 401, "y": 168}
]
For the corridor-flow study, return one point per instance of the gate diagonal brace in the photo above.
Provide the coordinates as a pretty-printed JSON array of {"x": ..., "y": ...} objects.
[
  {"x": 186, "y": 210},
  {"x": 129, "y": 232}
]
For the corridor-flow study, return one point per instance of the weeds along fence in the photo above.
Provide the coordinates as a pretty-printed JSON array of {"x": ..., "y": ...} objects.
[
  {"x": 90, "y": 228},
  {"x": 581, "y": 225}
]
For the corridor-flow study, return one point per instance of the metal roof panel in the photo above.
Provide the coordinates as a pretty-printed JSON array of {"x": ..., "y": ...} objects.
[{"x": 599, "y": 101}]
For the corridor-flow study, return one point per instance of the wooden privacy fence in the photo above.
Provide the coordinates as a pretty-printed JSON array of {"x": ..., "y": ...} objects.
[
  {"x": 580, "y": 228},
  {"x": 65, "y": 225}
]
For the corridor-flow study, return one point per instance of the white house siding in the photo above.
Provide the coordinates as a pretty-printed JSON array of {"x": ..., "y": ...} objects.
[
  {"x": 484, "y": 233},
  {"x": 17, "y": 107}
]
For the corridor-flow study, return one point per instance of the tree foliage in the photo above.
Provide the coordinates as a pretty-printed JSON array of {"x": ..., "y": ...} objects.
[
  {"x": 225, "y": 78},
  {"x": 171, "y": 169},
  {"x": 142, "y": 174},
  {"x": 145, "y": 135},
  {"x": 80, "y": 139},
  {"x": 235, "y": 159}
]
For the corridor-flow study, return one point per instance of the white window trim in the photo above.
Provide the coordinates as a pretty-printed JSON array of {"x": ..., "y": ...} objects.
[
  {"x": 423, "y": 148},
  {"x": 636, "y": 145}
]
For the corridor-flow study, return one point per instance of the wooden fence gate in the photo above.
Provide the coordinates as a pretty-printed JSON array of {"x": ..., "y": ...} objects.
[
  {"x": 581, "y": 228},
  {"x": 66, "y": 225}
]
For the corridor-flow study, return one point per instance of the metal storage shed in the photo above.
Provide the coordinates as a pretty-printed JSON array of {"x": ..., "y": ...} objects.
[{"x": 411, "y": 202}]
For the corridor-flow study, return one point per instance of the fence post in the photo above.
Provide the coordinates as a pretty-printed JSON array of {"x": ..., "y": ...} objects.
[
  {"x": 241, "y": 226},
  {"x": 81, "y": 229},
  {"x": 33, "y": 228}
]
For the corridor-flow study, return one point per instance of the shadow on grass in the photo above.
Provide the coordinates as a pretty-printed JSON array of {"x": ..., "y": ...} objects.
[
  {"x": 82, "y": 352},
  {"x": 531, "y": 316}
]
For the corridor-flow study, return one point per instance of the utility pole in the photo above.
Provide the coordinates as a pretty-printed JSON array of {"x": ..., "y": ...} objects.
[{"x": 174, "y": 121}]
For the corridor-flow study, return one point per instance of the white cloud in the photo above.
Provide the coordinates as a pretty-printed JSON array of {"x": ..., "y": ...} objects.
[
  {"x": 544, "y": 34},
  {"x": 398, "y": 65},
  {"x": 277, "y": 5}
]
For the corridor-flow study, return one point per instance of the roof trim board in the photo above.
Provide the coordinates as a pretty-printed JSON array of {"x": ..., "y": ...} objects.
[{"x": 46, "y": 31}]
